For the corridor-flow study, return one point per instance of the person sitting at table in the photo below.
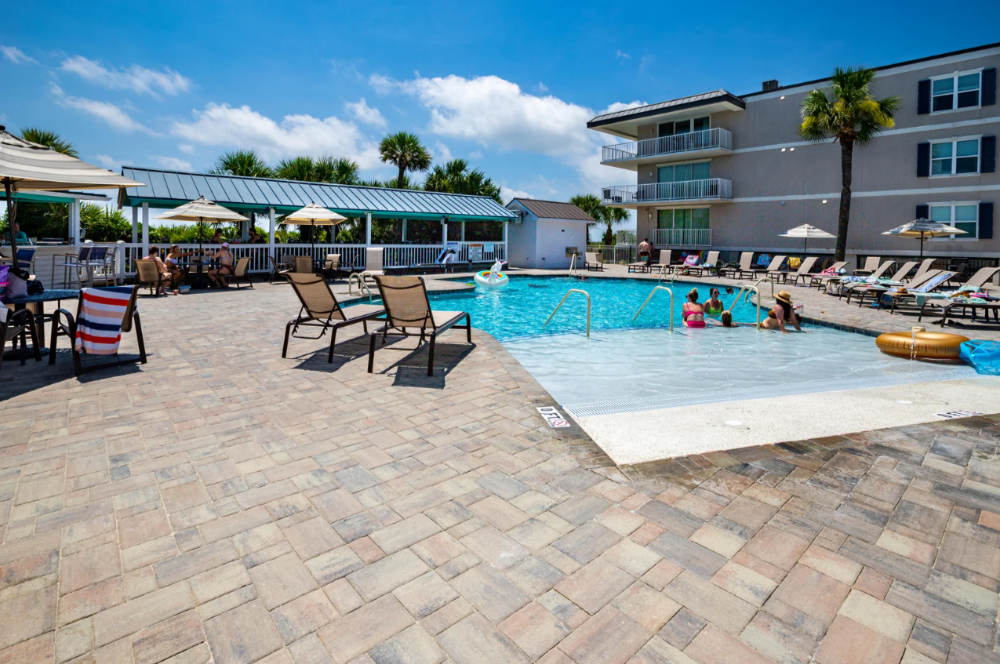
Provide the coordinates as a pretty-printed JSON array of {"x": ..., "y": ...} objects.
[
  {"x": 172, "y": 263},
  {"x": 220, "y": 276},
  {"x": 255, "y": 237},
  {"x": 19, "y": 236},
  {"x": 217, "y": 238},
  {"x": 165, "y": 275}
]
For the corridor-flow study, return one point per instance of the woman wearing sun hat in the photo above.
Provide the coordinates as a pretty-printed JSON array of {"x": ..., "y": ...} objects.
[{"x": 781, "y": 314}]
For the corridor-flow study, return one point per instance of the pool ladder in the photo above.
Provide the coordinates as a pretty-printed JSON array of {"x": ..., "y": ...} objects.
[
  {"x": 651, "y": 294},
  {"x": 748, "y": 290},
  {"x": 572, "y": 266},
  {"x": 362, "y": 280},
  {"x": 568, "y": 293}
]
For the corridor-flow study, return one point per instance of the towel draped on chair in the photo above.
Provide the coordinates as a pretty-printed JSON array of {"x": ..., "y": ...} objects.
[{"x": 99, "y": 326}]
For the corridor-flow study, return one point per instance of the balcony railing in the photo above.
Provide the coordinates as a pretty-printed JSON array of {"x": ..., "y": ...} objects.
[
  {"x": 696, "y": 141},
  {"x": 661, "y": 192},
  {"x": 683, "y": 237}
]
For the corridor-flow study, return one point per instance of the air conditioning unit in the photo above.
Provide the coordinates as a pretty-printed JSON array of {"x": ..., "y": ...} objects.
[{"x": 767, "y": 86}]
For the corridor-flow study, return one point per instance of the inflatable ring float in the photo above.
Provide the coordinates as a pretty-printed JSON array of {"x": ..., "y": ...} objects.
[
  {"x": 929, "y": 345},
  {"x": 488, "y": 279}
]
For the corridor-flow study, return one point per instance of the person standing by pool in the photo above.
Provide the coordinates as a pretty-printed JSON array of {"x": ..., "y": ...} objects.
[
  {"x": 714, "y": 306},
  {"x": 692, "y": 312},
  {"x": 645, "y": 250},
  {"x": 781, "y": 314}
]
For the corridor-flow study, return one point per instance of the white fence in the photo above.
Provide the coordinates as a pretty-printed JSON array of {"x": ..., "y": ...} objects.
[{"x": 683, "y": 237}]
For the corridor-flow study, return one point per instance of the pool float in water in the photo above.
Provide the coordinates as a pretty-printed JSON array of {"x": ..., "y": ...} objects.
[
  {"x": 922, "y": 345},
  {"x": 492, "y": 278}
]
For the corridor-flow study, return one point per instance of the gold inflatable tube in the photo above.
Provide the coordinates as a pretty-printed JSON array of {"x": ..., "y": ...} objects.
[{"x": 928, "y": 345}]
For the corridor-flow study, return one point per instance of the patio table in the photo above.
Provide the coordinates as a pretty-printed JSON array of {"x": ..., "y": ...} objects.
[{"x": 19, "y": 303}]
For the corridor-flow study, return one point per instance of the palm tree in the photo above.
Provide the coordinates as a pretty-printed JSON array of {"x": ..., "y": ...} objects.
[
  {"x": 48, "y": 139},
  {"x": 456, "y": 178},
  {"x": 242, "y": 162},
  {"x": 851, "y": 116},
  {"x": 405, "y": 151},
  {"x": 592, "y": 206},
  {"x": 336, "y": 171},
  {"x": 302, "y": 169}
]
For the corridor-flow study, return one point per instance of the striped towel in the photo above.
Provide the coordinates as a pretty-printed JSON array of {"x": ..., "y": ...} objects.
[{"x": 99, "y": 328}]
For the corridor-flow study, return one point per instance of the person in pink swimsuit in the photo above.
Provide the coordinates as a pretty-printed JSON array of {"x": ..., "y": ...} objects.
[{"x": 692, "y": 312}]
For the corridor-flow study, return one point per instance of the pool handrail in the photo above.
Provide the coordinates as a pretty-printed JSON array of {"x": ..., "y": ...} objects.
[
  {"x": 748, "y": 290},
  {"x": 572, "y": 266},
  {"x": 754, "y": 288},
  {"x": 570, "y": 291},
  {"x": 650, "y": 297},
  {"x": 362, "y": 284},
  {"x": 663, "y": 269}
]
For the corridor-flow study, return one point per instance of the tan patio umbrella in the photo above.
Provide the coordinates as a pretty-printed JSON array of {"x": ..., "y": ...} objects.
[
  {"x": 202, "y": 210},
  {"x": 26, "y": 166},
  {"x": 313, "y": 215},
  {"x": 805, "y": 231},
  {"x": 922, "y": 228}
]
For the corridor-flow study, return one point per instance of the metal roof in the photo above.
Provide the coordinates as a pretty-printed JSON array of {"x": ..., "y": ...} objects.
[
  {"x": 553, "y": 209},
  {"x": 171, "y": 188},
  {"x": 672, "y": 105}
]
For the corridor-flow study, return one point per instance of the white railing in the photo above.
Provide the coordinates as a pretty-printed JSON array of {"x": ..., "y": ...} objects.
[
  {"x": 683, "y": 237},
  {"x": 351, "y": 255},
  {"x": 696, "y": 141},
  {"x": 658, "y": 192},
  {"x": 615, "y": 253}
]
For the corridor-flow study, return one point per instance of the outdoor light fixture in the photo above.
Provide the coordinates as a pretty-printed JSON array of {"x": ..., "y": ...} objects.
[
  {"x": 782, "y": 149},
  {"x": 791, "y": 149},
  {"x": 824, "y": 201},
  {"x": 781, "y": 97}
]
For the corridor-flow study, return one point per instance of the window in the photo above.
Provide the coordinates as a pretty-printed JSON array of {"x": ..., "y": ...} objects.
[
  {"x": 683, "y": 126},
  {"x": 963, "y": 216},
  {"x": 955, "y": 157},
  {"x": 955, "y": 92},
  {"x": 685, "y": 172}
]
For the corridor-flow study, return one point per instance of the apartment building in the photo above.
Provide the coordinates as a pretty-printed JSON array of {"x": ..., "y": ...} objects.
[{"x": 731, "y": 172}]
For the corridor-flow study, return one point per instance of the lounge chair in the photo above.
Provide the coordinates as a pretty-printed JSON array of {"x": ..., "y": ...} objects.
[
  {"x": 332, "y": 268},
  {"x": 803, "y": 269},
  {"x": 276, "y": 271},
  {"x": 16, "y": 325},
  {"x": 594, "y": 263},
  {"x": 407, "y": 306},
  {"x": 321, "y": 309},
  {"x": 374, "y": 261},
  {"x": 820, "y": 279},
  {"x": 746, "y": 267},
  {"x": 808, "y": 276},
  {"x": 711, "y": 264},
  {"x": 772, "y": 268},
  {"x": 303, "y": 265},
  {"x": 871, "y": 264},
  {"x": 861, "y": 288},
  {"x": 869, "y": 279},
  {"x": 916, "y": 292},
  {"x": 148, "y": 275},
  {"x": 121, "y": 300},
  {"x": 925, "y": 266},
  {"x": 241, "y": 273},
  {"x": 977, "y": 281}
]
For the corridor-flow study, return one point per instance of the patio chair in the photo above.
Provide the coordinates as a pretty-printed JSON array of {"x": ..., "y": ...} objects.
[
  {"x": 745, "y": 267},
  {"x": 303, "y": 265},
  {"x": 407, "y": 306},
  {"x": 103, "y": 269},
  {"x": 914, "y": 291},
  {"x": 772, "y": 268},
  {"x": 593, "y": 262},
  {"x": 871, "y": 264},
  {"x": 925, "y": 266},
  {"x": 804, "y": 268},
  {"x": 71, "y": 265},
  {"x": 710, "y": 264},
  {"x": 17, "y": 326},
  {"x": 975, "y": 283},
  {"x": 321, "y": 309},
  {"x": 276, "y": 271},
  {"x": 820, "y": 279},
  {"x": 662, "y": 259},
  {"x": 241, "y": 273},
  {"x": 25, "y": 259},
  {"x": 147, "y": 274},
  {"x": 99, "y": 330},
  {"x": 895, "y": 280}
]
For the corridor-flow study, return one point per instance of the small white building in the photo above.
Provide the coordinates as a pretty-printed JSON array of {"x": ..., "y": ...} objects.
[{"x": 547, "y": 234}]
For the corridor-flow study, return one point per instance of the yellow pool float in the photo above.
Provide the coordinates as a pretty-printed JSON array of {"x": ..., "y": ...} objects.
[{"x": 922, "y": 345}]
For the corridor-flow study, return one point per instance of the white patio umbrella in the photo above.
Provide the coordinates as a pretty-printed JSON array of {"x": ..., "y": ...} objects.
[
  {"x": 805, "y": 231},
  {"x": 202, "y": 210},
  {"x": 313, "y": 215},
  {"x": 26, "y": 166},
  {"x": 923, "y": 228}
]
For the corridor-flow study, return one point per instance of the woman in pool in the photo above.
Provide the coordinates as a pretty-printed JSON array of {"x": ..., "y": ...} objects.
[
  {"x": 781, "y": 314},
  {"x": 714, "y": 306},
  {"x": 692, "y": 312}
]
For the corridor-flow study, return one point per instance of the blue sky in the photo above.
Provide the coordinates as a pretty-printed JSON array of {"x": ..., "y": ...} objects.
[{"x": 508, "y": 86}]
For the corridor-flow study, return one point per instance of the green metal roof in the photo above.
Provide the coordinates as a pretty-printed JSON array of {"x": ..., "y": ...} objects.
[{"x": 170, "y": 189}]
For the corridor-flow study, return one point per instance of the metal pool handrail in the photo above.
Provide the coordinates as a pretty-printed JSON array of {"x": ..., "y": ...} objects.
[
  {"x": 362, "y": 284},
  {"x": 572, "y": 290},
  {"x": 572, "y": 266},
  {"x": 663, "y": 269},
  {"x": 748, "y": 290},
  {"x": 651, "y": 294}
]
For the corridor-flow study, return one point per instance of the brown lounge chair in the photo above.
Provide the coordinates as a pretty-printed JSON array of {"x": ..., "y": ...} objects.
[
  {"x": 148, "y": 275},
  {"x": 861, "y": 288},
  {"x": 241, "y": 273},
  {"x": 819, "y": 279},
  {"x": 710, "y": 264},
  {"x": 18, "y": 324},
  {"x": 64, "y": 325},
  {"x": 803, "y": 269},
  {"x": 871, "y": 264},
  {"x": 593, "y": 262},
  {"x": 746, "y": 267},
  {"x": 772, "y": 268},
  {"x": 407, "y": 305},
  {"x": 321, "y": 309}
]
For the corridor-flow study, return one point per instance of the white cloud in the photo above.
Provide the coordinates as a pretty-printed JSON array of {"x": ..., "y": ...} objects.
[
  {"x": 507, "y": 194},
  {"x": 497, "y": 113},
  {"x": 173, "y": 163},
  {"x": 622, "y": 56},
  {"x": 542, "y": 87},
  {"x": 381, "y": 84},
  {"x": 365, "y": 113},
  {"x": 621, "y": 106},
  {"x": 135, "y": 78},
  {"x": 442, "y": 152},
  {"x": 185, "y": 148},
  {"x": 106, "y": 111},
  {"x": 225, "y": 126},
  {"x": 16, "y": 55},
  {"x": 475, "y": 154},
  {"x": 110, "y": 162}
]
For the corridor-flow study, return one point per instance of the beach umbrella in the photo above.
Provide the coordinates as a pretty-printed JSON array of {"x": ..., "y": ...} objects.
[
  {"x": 200, "y": 211},
  {"x": 26, "y": 166},
  {"x": 923, "y": 229},
  {"x": 805, "y": 231},
  {"x": 313, "y": 215}
]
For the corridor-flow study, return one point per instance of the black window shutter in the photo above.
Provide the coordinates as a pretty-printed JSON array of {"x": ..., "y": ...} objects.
[
  {"x": 988, "y": 154},
  {"x": 923, "y": 211},
  {"x": 924, "y": 97},
  {"x": 923, "y": 160},
  {"x": 989, "y": 86},
  {"x": 986, "y": 221}
]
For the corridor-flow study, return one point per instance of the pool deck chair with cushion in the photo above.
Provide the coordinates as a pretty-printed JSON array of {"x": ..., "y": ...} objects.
[
  {"x": 147, "y": 275},
  {"x": 807, "y": 275},
  {"x": 820, "y": 279},
  {"x": 745, "y": 267},
  {"x": 925, "y": 266},
  {"x": 375, "y": 261},
  {"x": 17, "y": 326},
  {"x": 710, "y": 264},
  {"x": 303, "y": 265},
  {"x": 321, "y": 309},
  {"x": 407, "y": 306},
  {"x": 916, "y": 294},
  {"x": 103, "y": 315},
  {"x": 804, "y": 268},
  {"x": 977, "y": 282},
  {"x": 772, "y": 268},
  {"x": 871, "y": 264},
  {"x": 860, "y": 289},
  {"x": 594, "y": 262},
  {"x": 241, "y": 273}
]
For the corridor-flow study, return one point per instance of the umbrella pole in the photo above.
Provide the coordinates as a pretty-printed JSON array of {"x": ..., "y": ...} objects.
[
  {"x": 921, "y": 245},
  {"x": 10, "y": 225}
]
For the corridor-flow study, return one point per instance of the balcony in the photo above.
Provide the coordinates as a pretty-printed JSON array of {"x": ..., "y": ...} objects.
[
  {"x": 682, "y": 238},
  {"x": 708, "y": 143},
  {"x": 690, "y": 191}
]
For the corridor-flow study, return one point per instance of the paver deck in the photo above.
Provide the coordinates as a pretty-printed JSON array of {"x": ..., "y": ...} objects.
[{"x": 222, "y": 504}]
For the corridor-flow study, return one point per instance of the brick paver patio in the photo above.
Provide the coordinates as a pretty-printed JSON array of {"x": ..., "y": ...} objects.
[{"x": 222, "y": 504}]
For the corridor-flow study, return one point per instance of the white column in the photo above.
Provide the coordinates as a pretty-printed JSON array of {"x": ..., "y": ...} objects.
[
  {"x": 245, "y": 228},
  {"x": 120, "y": 262},
  {"x": 270, "y": 234},
  {"x": 444, "y": 233},
  {"x": 505, "y": 241},
  {"x": 404, "y": 231},
  {"x": 463, "y": 231},
  {"x": 74, "y": 221},
  {"x": 145, "y": 229},
  {"x": 368, "y": 229},
  {"x": 135, "y": 225}
]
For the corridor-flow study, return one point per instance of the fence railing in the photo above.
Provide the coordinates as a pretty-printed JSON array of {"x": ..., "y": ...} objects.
[
  {"x": 709, "y": 139},
  {"x": 658, "y": 192},
  {"x": 615, "y": 253},
  {"x": 683, "y": 237}
]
